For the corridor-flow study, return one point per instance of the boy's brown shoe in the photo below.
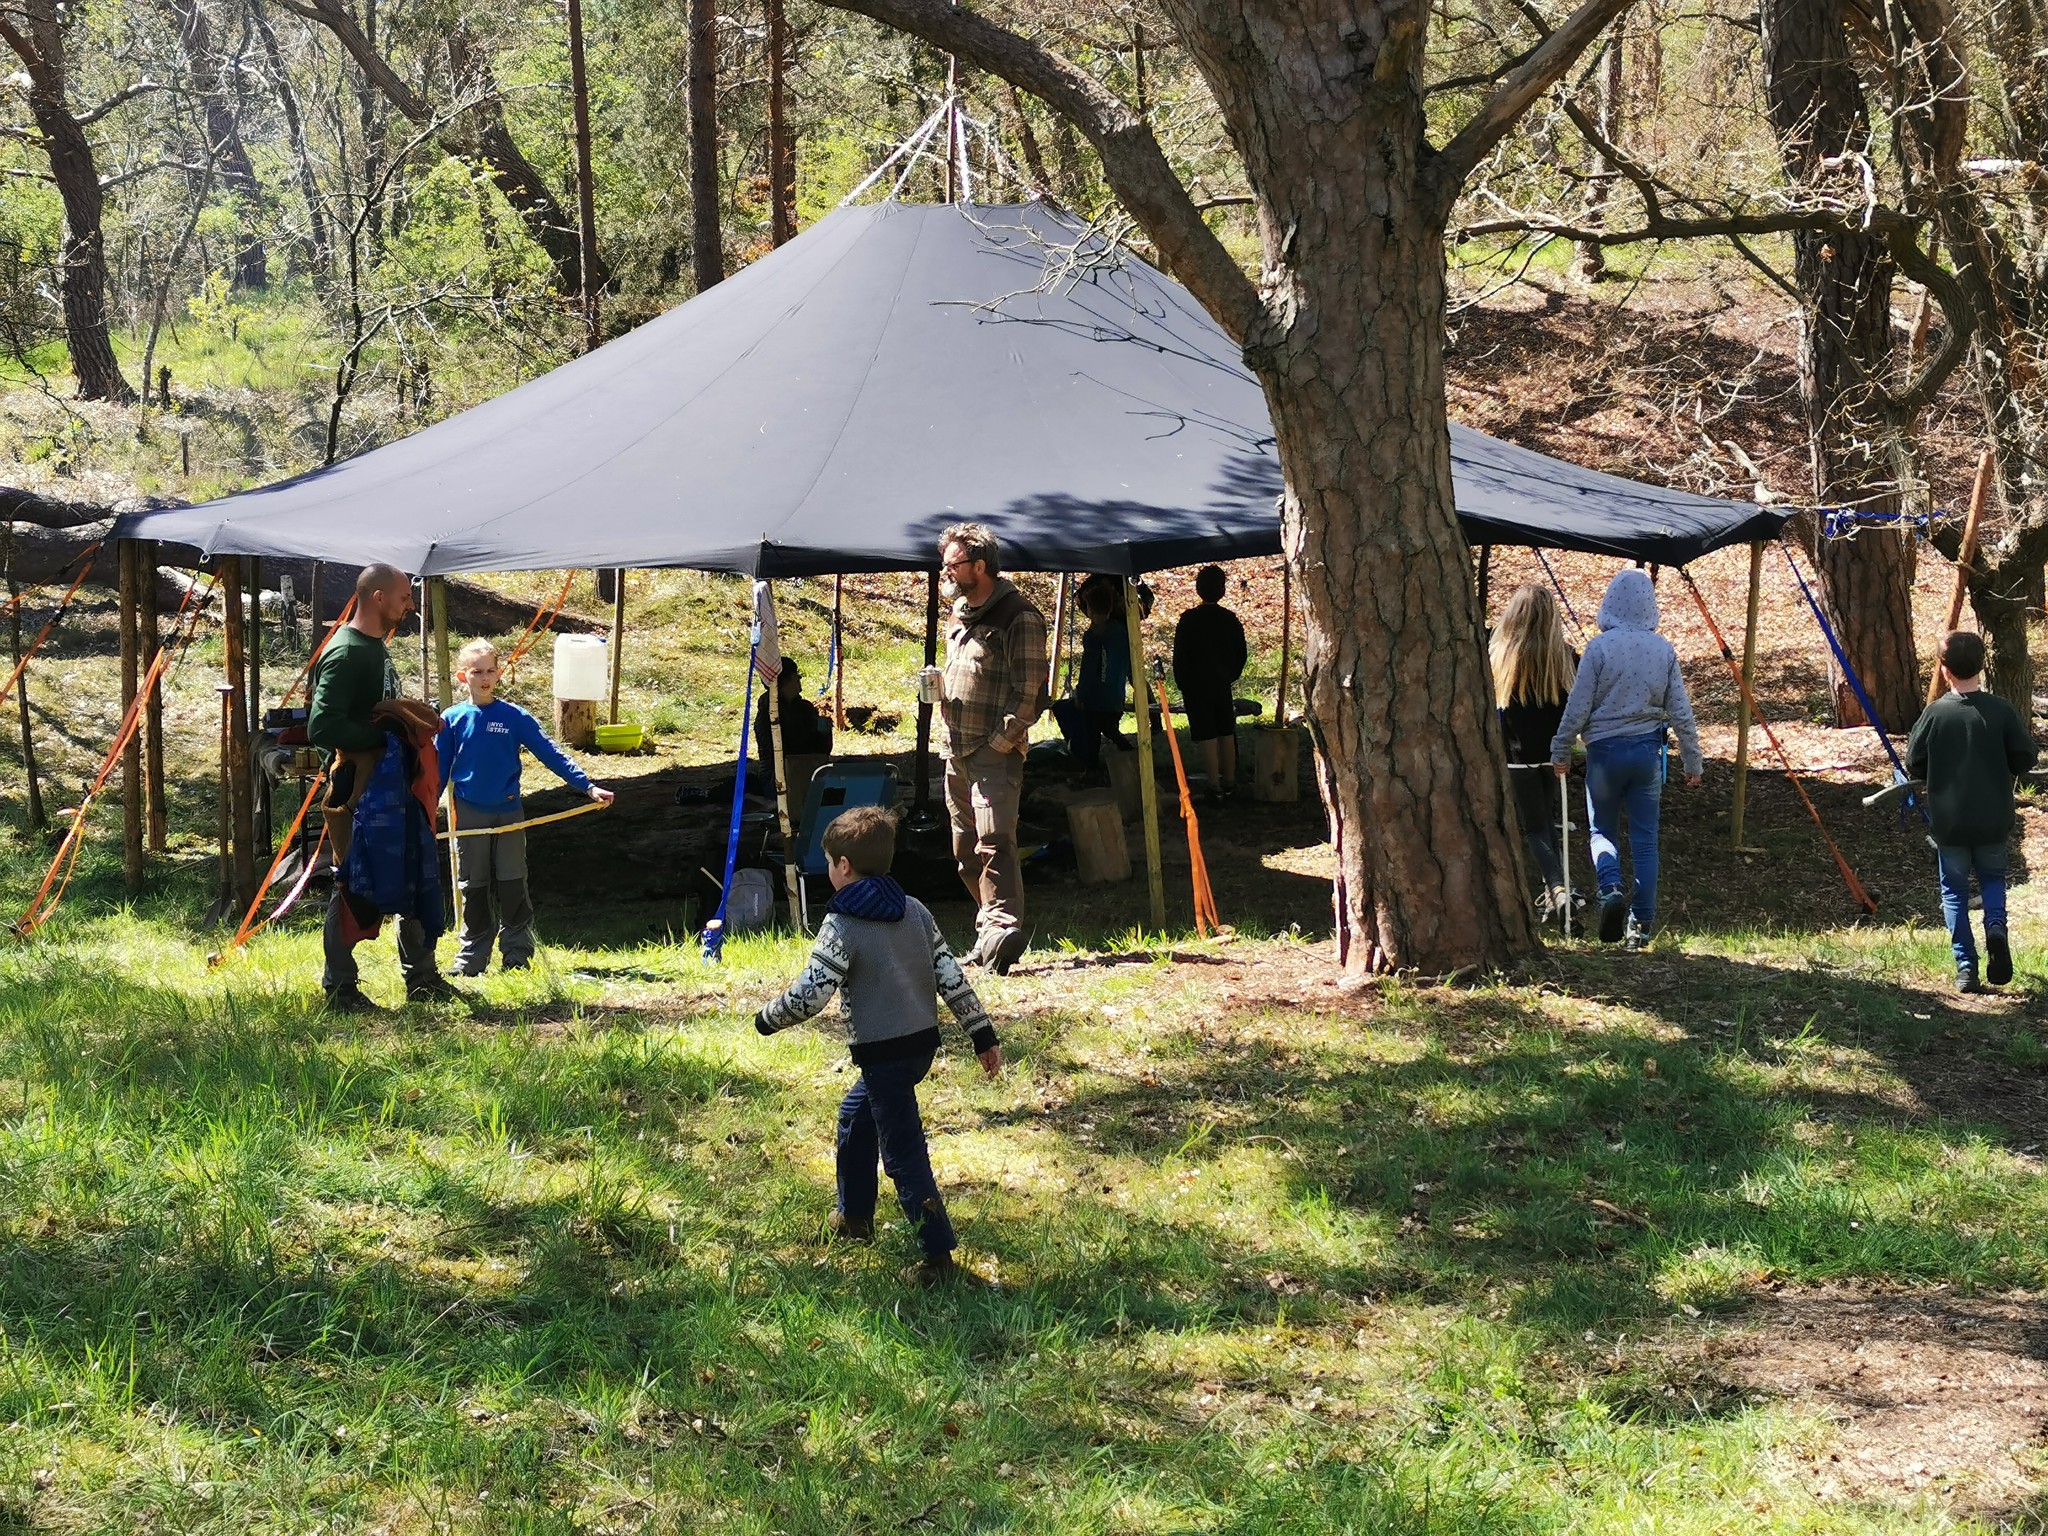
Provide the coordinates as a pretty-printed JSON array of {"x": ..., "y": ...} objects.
[
  {"x": 846, "y": 1230},
  {"x": 932, "y": 1273}
]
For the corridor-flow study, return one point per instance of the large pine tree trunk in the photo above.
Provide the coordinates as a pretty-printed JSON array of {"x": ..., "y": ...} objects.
[
  {"x": 1351, "y": 356},
  {"x": 1845, "y": 360}
]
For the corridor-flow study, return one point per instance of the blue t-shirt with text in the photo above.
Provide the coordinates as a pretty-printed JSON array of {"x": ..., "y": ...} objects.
[{"x": 479, "y": 750}]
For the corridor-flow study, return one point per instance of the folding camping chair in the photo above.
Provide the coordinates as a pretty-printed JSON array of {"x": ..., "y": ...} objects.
[{"x": 835, "y": 787}]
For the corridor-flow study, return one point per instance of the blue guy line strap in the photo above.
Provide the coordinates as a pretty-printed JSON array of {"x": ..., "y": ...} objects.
[
  {"x": 831, "y": 663},
  {"x": 1847, "y": 522},
  {"x": 1855, "y": 683},
  {"x": 714, "y": 931}
]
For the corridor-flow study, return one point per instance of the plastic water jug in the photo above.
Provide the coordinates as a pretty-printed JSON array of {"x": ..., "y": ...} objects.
[{"x": 582, "y": 667}]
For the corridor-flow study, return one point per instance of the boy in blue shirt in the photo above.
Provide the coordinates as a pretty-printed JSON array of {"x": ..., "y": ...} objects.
[{"x": 479, "y": 748}]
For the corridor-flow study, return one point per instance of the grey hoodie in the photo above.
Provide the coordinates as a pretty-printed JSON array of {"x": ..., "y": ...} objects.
[{"x": 1628, "y": 683}]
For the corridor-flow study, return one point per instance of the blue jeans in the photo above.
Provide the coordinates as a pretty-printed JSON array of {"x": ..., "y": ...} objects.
[
  {"x": 1956, "y": 865},
  {"x": 878, "y": 1117},
  {"x": 1625, "y": 782}
]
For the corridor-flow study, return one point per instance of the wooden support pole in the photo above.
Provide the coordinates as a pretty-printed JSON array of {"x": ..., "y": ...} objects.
[
  {"x": 153, "y": 707},
  {"x": 792, "y": 881},
  {"x": 444, "y": 673},
  {"x": 1148, "y": 779},
  {"x": 1740, "y": 813},
  {"x": 1286, "y": 638},
  {"x": 131, "y": 755},
  {"x": 253, "y": 581},
  {"x": 1966, "y": 560},
  {"x": 1059, "y": 636},
  {"x": 241, "y": 799},
  {"x": 921, "y": 773},
  {"x": 618, "y": 641},
  {"x": 1485, "y": 574},
  {"x": 838, "y": 654},
  {"x": 317, "y": 611},
  {"x": 37, "y": 820},
  {"x": 425, "y": 604}
]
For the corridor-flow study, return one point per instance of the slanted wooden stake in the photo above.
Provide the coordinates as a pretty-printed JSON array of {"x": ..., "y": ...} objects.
[
  {"x": 1148, "y": 781},
  {"x": 1756, "y": 579},
  {"x": 132, "y": 815}
]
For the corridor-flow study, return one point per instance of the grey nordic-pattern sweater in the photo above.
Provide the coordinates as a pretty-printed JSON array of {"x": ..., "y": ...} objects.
[
  {"x": 892, "y": 969},
  {"x": 1628, "y": 683}
]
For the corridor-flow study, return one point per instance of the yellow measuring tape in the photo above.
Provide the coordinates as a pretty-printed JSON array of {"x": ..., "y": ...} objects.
[{"x": 521, "y": 826}]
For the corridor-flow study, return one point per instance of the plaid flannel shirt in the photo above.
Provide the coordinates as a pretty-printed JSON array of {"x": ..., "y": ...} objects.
[{"x": 995, "y": 673}]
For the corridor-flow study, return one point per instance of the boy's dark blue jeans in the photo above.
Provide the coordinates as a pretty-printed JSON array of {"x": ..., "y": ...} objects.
[
  {"x": 1957, "y": 864},
  {"x": 878, "y": 1118}
]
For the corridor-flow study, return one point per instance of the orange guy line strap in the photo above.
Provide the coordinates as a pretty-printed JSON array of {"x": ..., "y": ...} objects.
[
  {"x": 85, "y": 555},
  {"x": 1205, "y": 899},
  {"x": 66, "y": 861},
  {"x": 44, "y": 633},
  {"x": 249, "y": 923},
  {"x": 306, "y": 671},
  {"x": 543, "y": 620},
  {"x": 1855, "y": 885}
]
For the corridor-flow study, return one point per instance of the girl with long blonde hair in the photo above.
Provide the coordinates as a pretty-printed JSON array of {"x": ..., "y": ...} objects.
[{"x": 1533, "y": 672}]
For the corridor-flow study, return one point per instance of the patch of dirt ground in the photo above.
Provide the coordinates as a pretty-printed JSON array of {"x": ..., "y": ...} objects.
[{"x": 1931, "y": 1391}]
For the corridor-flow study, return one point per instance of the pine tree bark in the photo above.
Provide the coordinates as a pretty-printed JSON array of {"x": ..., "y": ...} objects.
[
  {"x": 1845, "y": 359},
  {"x": 1324, "y": 100},
  {"x": 38, "y": 41},
  {"x": 707, "y": 241},
  {"x": 781, "y": 143}
]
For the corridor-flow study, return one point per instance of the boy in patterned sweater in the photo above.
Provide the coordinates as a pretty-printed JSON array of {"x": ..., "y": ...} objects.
[{"x": 885, "y": 949}]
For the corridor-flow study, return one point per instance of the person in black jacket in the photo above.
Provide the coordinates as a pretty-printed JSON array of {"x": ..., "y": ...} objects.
[
  {"x": 1208, "y": 659},
  {"x": 804, "y": 730},
  {"x": 1533, "y": 670},
  {"x": 1969, "y": 746}
]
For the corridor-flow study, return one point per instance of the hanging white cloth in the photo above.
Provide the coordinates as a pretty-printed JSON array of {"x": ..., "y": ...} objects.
[{"x": 767, "y": 634}]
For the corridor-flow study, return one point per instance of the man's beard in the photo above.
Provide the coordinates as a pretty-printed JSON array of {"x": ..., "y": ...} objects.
[{"x": 949, "y": 589}]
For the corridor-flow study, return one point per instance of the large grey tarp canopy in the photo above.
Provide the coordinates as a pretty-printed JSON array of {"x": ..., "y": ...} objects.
[{"x": 896, "y": 368}]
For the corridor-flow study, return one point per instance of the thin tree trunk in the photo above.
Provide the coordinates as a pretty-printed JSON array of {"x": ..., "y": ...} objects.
[
  {"x": 319, "y": 246},
  {"x": 781, "y": 145},
  {"x": 82, "y": 284},
  {"x": 707, "y": 254},
  {"x": 1590, "y": 264},
  {"x": 223, "y": 106},
  {"x": 1845, "y": 360}
]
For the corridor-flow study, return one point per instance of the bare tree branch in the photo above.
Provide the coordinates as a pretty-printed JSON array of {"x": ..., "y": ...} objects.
[
  {"x": 1448, "y": 168},
  {"x": 121, "y": 98}
]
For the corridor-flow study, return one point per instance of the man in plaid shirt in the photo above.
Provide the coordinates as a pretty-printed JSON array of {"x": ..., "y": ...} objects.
[{"x": 994, "y": 689}]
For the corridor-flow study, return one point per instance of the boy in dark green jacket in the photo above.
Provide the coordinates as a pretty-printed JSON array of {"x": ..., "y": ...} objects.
[{"x": 1967, "y": 748}]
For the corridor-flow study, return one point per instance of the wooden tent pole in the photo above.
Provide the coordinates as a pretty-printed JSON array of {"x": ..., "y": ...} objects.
[
  {"x": 1485, "y": 575},
  {"x": 1148, "y": 781},
  {"x": 1286, "y": 638},
  {"x": 1966, "y": 559},
  {"x": 838, "y": 653},
  {"x": 792, "y": 881},
  {"x": 921, "y": 774},
  {"x": 1741, "y": 808},
  {"x": 444, "y": 676},
  {"x": 241, "y": 801},
  {"x": 253, "y": 581},
  {"x": 131, "y": 755},
  {"x": 618, "y": 640},
  {"x": 37, "y": 821},
  {"x": 153, "y": 708},
  {"x": 1059, "y": 633}
]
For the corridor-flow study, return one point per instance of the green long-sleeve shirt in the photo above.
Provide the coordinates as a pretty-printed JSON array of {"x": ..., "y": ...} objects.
[
  {"x": 1968, "y": 747},
  {"x": 351, "y": 678}
]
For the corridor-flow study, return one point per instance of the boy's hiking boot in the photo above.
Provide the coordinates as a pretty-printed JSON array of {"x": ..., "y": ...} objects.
[
  {"x": 1633, "y": 938},
  {"x": 350, "y": 999},
  {"x": 1966, "y": 979},
  {"x": 931, "y": 1273},
  {"x": 1997, "y": 958},
  {"x": 1613, "y": 918},
  {"x": 844, "y": 1229}
]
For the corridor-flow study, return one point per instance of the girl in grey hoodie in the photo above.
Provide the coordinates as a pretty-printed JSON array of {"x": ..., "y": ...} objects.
[{"x": 1627, "y": 693}]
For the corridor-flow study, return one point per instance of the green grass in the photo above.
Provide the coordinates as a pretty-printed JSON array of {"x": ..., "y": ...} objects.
[{"x": 1267, "y": 1255}]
